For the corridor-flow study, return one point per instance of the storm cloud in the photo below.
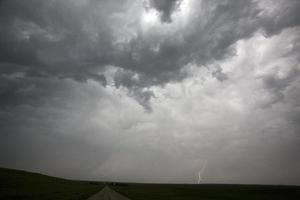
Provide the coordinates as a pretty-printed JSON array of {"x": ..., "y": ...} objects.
[{"x": 149, "y": 90}]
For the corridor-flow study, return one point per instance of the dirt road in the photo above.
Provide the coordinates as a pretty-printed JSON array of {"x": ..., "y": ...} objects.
[{"x": 107, "y": 194}]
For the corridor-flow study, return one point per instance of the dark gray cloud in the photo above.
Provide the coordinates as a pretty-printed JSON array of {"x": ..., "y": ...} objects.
[
  {"x": 65, "y": 39},
  {"x": 109, "y": 82},
  {"x": 217, "y": 72},
  {"x": 165, "y": 8}
]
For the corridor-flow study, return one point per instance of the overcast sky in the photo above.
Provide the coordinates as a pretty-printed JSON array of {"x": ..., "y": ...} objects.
[{"x": 150, "y": 91}]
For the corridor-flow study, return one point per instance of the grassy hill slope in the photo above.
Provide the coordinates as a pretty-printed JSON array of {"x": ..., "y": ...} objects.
[
  {"x": 16, "y": 184},
  {"x": 208, "y": 192}
]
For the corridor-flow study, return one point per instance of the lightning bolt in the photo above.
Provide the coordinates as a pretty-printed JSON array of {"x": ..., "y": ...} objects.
[{"x": 201, "y": 171}]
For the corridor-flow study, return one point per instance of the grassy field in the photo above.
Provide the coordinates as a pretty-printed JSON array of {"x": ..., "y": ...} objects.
[
  {"x": 208, "y": 192},
  {"x": 15, "y": 184}
]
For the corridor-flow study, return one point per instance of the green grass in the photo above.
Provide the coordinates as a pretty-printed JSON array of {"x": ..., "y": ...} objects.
[
  {"x": 208, "y": 192},
  {"x": 16, "y": 184}
]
